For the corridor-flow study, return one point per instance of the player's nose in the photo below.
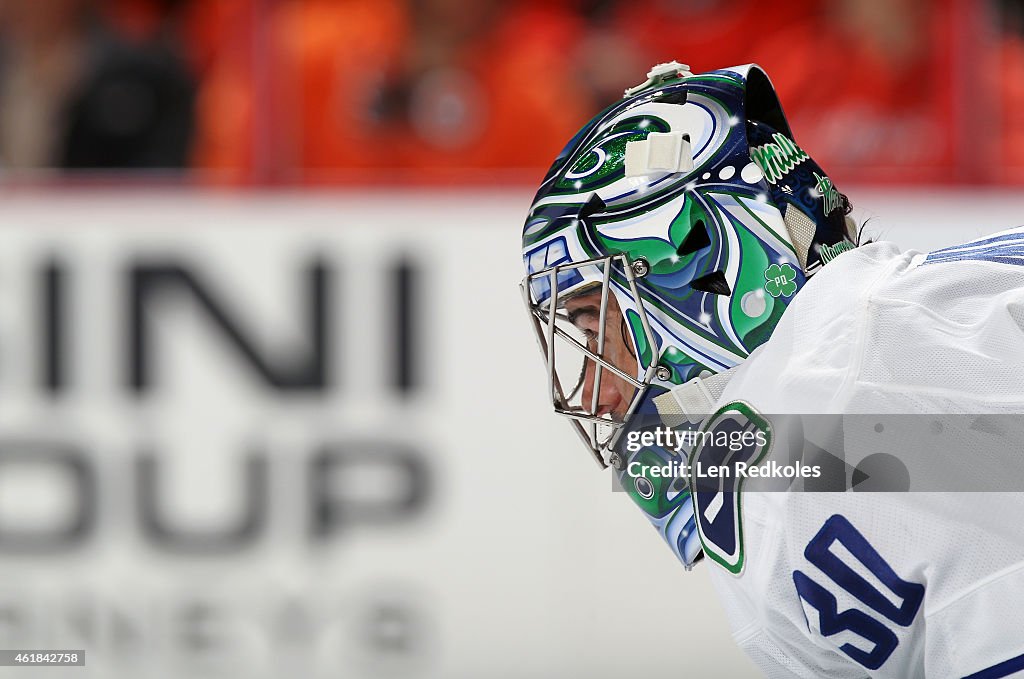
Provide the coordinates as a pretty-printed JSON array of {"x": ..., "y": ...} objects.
[{"x": 608, "y": 397}]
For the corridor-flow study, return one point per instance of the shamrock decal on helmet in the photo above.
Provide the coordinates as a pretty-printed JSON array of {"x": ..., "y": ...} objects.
[{"x": 781, "y": 280}]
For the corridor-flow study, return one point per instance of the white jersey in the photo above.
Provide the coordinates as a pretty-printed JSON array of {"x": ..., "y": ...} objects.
[{"x": 894, "y": 585}]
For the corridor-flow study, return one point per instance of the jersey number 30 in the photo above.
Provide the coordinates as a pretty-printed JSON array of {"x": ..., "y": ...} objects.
[{"x": 871, "y": 628}]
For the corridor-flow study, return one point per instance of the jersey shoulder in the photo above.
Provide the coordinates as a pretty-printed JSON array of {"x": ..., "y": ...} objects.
[
  {"x": 943, "y": 327},
  {"x": 804, "y": 365},
  {"x": 847, "y": 584}
]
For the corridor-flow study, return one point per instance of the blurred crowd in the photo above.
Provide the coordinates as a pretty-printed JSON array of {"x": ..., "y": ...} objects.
[{"x": 329, "y": 91}]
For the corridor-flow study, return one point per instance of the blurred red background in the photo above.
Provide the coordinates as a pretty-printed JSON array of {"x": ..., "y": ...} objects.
[{"x": 339, "y": 92}]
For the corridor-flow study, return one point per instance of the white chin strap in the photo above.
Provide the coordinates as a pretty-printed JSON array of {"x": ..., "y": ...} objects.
[{"x": 692, "y": 401}]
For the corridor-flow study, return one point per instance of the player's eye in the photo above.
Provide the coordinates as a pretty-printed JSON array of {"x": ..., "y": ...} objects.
[
  {"x": 584, "y": 318},
  {"x": 587, "y": 327}
]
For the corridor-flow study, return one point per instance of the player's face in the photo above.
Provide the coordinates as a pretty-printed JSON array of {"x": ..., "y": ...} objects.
[{"x": 615, "y": 394}]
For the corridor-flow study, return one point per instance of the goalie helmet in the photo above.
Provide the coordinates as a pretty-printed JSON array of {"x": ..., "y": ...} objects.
[{"x": 664, "y": 245}]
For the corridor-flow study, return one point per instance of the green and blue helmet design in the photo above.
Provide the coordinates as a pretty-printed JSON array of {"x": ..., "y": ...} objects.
[{"x": 703, "y": 232}]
